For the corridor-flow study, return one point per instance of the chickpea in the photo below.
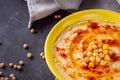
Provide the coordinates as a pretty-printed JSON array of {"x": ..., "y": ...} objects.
[
  {"x": 11, "y": 64},
  {"x": 5, "y": 78},
  {"x": 100, "y": 45},
  {"x": 90, "y": 49},
  {"x": 29, "y": 55},
  {"x": 98, "y": 59},
  {"x": 110, "y": 52},
  {"x": 12, "y": 75},
  {"x": 1, "y": 73},
  {"x": 91, "y": 64},
  {"x": 95, "y": 50},
  {"x": 41, "y": 54},
  {"x": 55, "y": 16},
  {"x": 92, "y": 59},
  {"x": 19, "y": 67},
  {"x": 107, "y": 57},
  {"x": 15, "y": 66},
  {"x": 25, "y": 46},
  {"x": 14, "y": 78},
  {"x": 86, "y": 59},
  {"x": 83, "y": 64},
  {"x": 89, "y": 54},
  {"x": 100, "y": 50},
  {"x": 92, "y": 43},
  {"x": 85, "y": 53},
  {"x": 94, "y": 46},
  {"x": 21, "y": 62},
  {"x": 97, "y": 63},
  {"x": 55, "y": 59},
  {"x": 32, "y": 30},
  {"x": 105, "y": 51},
  {"x": 103, "y": 63},
  {"x": 105, "y": 46},
  {"x": 2, "y": 65},
  {"x": 101, "y": 55},
  {"x": 108, "y": 63},
  {"x": 95, "y": 54},
  {"x": 43, "y": 57},
  {"x": 59, "y": 16},
  {"x": 2, "y": 78}
]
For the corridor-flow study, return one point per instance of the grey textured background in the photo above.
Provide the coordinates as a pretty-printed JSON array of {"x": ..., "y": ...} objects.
[{"x": 14, "y": 33}]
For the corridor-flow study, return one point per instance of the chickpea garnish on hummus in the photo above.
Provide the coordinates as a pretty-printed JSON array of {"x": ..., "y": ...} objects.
[{"x": 89, "y": 50}]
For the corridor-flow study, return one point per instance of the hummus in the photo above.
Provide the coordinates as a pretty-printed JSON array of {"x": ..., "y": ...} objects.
[{"x": 89, "y": 50}]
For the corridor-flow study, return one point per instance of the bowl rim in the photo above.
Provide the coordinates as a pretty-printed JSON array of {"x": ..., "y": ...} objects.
[{"x": 111, "y": 15}]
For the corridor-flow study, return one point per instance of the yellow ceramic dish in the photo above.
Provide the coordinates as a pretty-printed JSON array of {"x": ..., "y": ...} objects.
[{"x": 93, "y": 14}]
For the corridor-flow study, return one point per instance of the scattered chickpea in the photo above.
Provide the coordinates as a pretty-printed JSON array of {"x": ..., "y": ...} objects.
[
  {"x": 15, "y": 66},
  {"x": 25, "y": 46},
  {"x": 59, "y": 16},
  {"x": 2, "y": 78},
  {"x": 29, "y": 55},
  {"x": 1, "y": 73},
  {"x": 91, "y": 64},
  {"x": 12, "y": 75},
  {"x": 2, "y": 65},
  {"x": 32, "y": 30},
  {"x": 55, "y": 16},
  {"x": 41, "y": 54},
  {"x": 19, "y": 67},
  {"x": 5, "y": 78},
  {"x": 43, "y": 57},
  {"x": 21, "y": 62},
  {"x": 14, "y": 78},
  {"x": 11, "y": 64}
]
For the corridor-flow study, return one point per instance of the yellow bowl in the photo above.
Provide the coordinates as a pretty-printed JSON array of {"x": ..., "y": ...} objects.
[{"x": 93, "y": 14}]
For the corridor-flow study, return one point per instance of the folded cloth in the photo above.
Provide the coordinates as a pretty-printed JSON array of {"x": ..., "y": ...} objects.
[
  {"x": 39, "y": 9},
  {"x": 118, "y": 1}
]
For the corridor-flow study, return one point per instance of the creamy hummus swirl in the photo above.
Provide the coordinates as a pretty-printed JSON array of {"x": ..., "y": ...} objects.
[{"x": 89, "y": 50}]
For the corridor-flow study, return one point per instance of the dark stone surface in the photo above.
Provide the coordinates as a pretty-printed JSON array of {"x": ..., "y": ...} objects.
[{"x": 14, "y": 33}]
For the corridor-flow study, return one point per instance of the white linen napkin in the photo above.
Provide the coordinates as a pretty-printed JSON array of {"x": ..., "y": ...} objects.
[
  {"x": 39, "y": 9},
  {"x": 118, "y": 1}
]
